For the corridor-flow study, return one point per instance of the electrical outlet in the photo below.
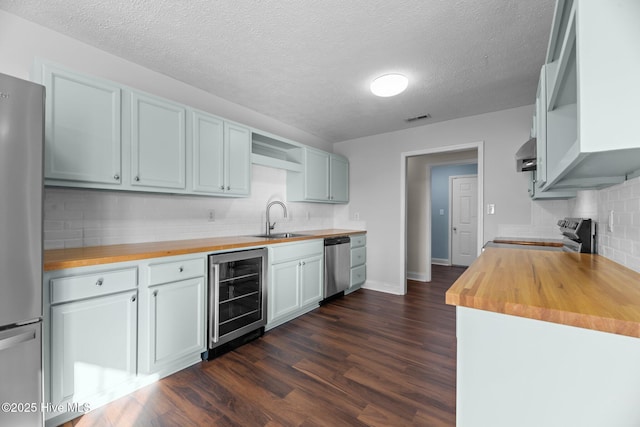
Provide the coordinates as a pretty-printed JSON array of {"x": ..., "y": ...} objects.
[
  {"x": 308, "y": 215},
  {"x": 211, "y": 215},
  {"x": 610, "y": 222},
  {"x": 356, "y": 216}
]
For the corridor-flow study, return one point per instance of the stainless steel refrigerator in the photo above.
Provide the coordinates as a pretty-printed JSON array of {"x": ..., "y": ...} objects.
[{"x": 21, "y": 188}]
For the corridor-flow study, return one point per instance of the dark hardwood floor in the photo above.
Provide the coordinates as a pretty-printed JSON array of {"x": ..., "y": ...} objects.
[{"x": 370, "y": 359}]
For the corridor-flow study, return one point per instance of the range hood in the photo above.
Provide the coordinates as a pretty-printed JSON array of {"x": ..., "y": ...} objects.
[{"x": 526, "y": 156}]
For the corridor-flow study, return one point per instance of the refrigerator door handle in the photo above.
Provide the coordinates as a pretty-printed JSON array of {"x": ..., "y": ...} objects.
[{"x": 12, "y": 341}]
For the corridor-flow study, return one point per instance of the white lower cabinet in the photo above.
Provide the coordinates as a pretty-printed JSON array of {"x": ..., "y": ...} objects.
[
  {"x": 172, "y": 314},
  {"x": 295, "y": 280},
  {"x": 104, "y": 336},
  {"x": 358, "y": 262},
  {"x": 93, "y": 346},
  {"x": 90, "y": 337}
]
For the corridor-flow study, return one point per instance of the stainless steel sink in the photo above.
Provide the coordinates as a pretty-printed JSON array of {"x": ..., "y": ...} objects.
[{"x": 279, "y": 235}]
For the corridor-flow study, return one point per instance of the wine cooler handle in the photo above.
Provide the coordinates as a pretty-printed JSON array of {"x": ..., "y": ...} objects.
[{"x": 214, "y": 317}]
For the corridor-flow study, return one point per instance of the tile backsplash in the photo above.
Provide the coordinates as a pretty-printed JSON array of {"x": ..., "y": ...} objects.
[
  {"x": 76, "y": 217},
  {"x": 621, "y": 243}
]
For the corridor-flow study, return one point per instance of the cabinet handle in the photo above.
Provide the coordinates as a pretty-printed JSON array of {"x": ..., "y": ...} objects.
[
  {"x": 100, "y": 282},
  {"x": 155, "y": 293},
  {"x": 133, "y": 298},
  {"x": 228, "y": 187},
  {"x": 304, "y": 263},
  {"x": 181, "y": 269},
  {"x": 116, "y": 177},
  {"x": 137, "y": 178},
  {"x": 222, "y": 187}
]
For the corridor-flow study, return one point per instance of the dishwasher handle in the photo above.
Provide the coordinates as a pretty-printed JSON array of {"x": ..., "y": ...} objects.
[{"x": 331, "y": 241}]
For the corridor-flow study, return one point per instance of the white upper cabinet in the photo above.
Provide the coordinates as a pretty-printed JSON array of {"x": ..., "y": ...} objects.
[
  {"x": 82, "y": 128},
  {"x": 316, "y": 175},
  {"x": 158, "y": 144},
  {"x": 324, "y": 178},
  {"x": 593, "y": 63},
  {"x": 208, "y": 153},
  {"x": 221, "y": 156},
  {"x": 339, "y": 179},
  {"x": 238, "y": 159}
]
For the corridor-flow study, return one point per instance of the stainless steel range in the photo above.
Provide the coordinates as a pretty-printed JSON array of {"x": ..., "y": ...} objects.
[{"x": 579, "y": 235}]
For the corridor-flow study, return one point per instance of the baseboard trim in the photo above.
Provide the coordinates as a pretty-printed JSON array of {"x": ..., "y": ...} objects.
[
  {"x": 440, "y": 261},
  {"x": 420, "y": 277}
]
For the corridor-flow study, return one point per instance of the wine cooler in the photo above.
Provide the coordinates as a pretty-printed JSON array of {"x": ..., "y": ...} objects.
[{"x": 237, "y": 298}]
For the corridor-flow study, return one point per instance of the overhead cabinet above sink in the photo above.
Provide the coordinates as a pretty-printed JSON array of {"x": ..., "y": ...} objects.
[
  {"x": 312, "y": 175},
  {"x": 588, "y": 94}
]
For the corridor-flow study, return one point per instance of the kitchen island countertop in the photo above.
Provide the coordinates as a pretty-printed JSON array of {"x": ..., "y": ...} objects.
[
  {"x": 59, "y": 259},
  {"x": 583, "y": 290}
]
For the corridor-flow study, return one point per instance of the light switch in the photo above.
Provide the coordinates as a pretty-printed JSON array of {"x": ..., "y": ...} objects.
[
  {"x": 491, "y": 209},
  {"x": 441, "y": 211}
]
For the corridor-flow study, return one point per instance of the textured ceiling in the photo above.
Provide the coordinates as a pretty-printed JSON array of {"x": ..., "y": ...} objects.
[{"x": 308, "y": 63}]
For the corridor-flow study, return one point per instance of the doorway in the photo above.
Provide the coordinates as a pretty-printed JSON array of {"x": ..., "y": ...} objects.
[{"x": 423, "y": 236}]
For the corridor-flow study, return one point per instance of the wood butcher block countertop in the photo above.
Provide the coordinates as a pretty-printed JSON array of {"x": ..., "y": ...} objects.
[
  {"x": 583, "y": 290},
  {"x": 59, "y": 259}
]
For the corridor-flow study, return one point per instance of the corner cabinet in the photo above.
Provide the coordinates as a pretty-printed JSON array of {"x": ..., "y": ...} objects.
[
  {"x": 295, "y": 280},
  {"x": 324, "y": 178},
  {"x": 82, "y": 129},
  {"x": 589, "y": 138},
  {"x": 221, "y": 156}
]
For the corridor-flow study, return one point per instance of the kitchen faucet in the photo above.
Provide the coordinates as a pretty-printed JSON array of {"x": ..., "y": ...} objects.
[{"x": 270, "y": 226}]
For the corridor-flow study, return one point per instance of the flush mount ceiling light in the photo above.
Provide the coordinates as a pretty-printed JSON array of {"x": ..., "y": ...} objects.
[{"x": 389, "y": 85}]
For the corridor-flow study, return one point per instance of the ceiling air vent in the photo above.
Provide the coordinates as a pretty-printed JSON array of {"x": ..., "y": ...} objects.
[{"x": 413, "y": 119}]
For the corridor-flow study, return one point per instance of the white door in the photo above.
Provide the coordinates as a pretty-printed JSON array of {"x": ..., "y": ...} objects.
[{"x": 464, "y": 219}]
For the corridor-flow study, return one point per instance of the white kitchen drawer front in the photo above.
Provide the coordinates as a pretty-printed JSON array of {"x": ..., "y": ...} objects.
[
  {"x": 358, "y": 256},
  {"x": 297, "y": 250},
  {"x": 91, "y": 285},
  {"x": 358, "y": 240},
  {"x": 358, "y": 275},
  {"x": 176, "y": 270}
]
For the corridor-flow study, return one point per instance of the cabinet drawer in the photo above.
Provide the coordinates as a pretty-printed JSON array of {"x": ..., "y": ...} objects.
[
  {"x": 358, "y": 275},
  {"x": 358, "y": 256},
  {"x": 90, "y": 285},
  {"x": 175, "y": 270},
  {"x": 358, "y": 240},
  {"x": 291, "y": 251}
]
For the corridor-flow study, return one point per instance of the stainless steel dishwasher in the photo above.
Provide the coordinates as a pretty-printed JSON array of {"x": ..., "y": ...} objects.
[{"x": 337, "y": 266}]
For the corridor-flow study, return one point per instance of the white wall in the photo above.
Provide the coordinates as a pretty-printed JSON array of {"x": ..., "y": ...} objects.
[
  {"x": 375, "y": 190},
  {"x": 21, "y": 41}
]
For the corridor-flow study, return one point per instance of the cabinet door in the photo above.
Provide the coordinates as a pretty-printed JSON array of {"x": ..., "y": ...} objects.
[
  {"x": 208, "y": 154},
  {"x": 82, "y": 128},
  {"x": 176, "y": 323},
  {"x": 157, "y": 143},
  {"x": 339, "y": 179},
  {"x": 316, "y": 173},
  {"x": 311, "y": 280},
  {"x": 238, "y": 159},
  {"x": 93, "y": 346},
  {"x": 541, "y": 130},
  {"x": 283, "y": 290}
]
